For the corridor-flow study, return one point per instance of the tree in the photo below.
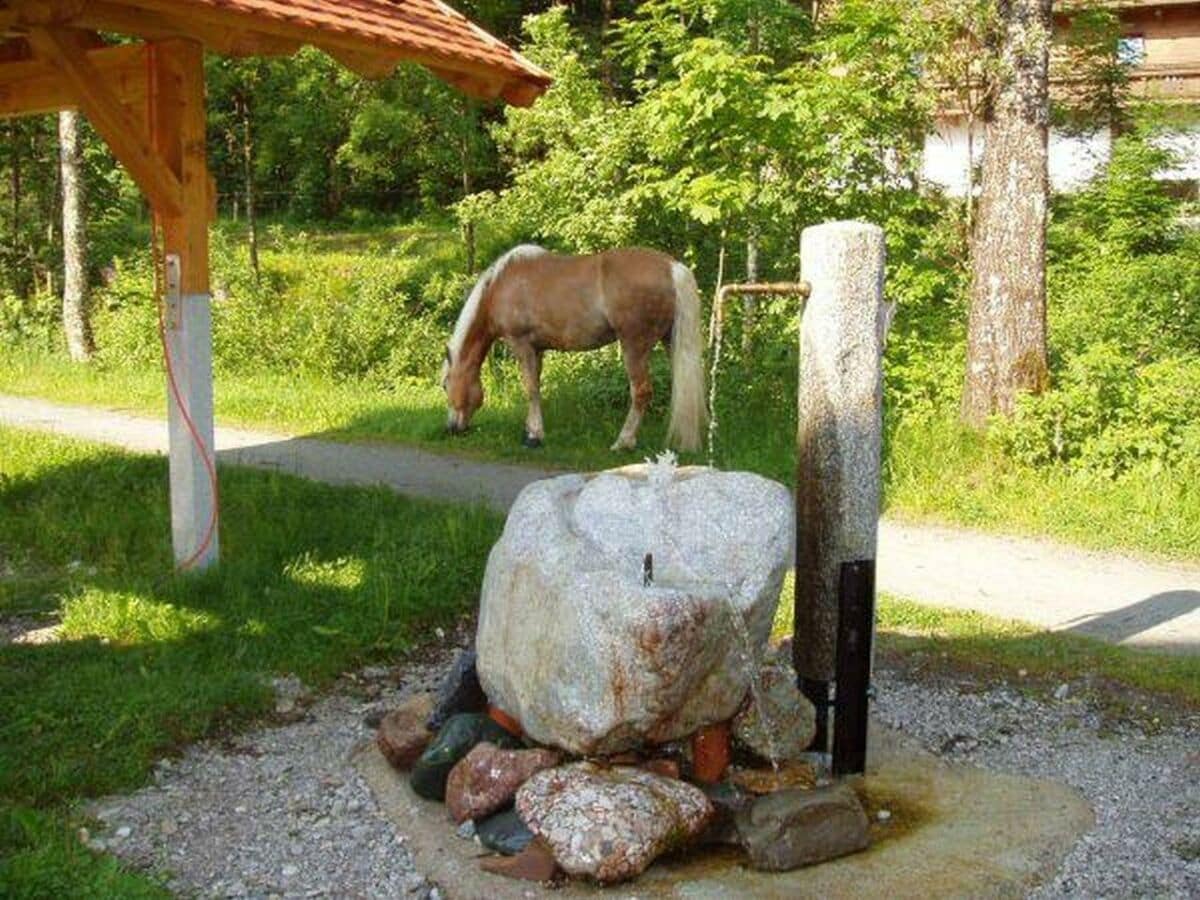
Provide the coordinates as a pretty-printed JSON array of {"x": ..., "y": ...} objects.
[
  {"x": 1006, "y": 329},
  {"x": 76, "y": 321}
]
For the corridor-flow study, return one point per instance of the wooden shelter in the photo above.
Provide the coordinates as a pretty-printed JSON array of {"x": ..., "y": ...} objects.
[{"x": 146, "y": 100}]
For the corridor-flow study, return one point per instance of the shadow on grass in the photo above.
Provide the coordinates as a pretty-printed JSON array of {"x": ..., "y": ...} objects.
[{"x": 314, "y": 580}]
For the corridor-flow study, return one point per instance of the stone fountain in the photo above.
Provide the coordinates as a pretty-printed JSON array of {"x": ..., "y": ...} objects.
[{"x": 623, "y": 704}]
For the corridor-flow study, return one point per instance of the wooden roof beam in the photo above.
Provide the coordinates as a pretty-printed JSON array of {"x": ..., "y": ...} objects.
[
  {"x": 33, "y": 87},
  {"x": 158, "y": 25},
  {"x": 105, "y": 15},
  {"x": 126, "y": 137}
]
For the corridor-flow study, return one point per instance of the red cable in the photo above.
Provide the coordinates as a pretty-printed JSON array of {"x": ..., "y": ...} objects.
[{"x": 158, "y": 255}]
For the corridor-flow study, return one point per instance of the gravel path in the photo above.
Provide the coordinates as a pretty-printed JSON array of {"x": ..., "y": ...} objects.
[
  {"x": 1104, "y": 595},
  {"x": 280, "y": 812}
]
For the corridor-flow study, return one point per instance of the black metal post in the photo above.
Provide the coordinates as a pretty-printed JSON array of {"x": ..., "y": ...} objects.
[
  {"x": 856, "y": 628},
  {"x": 818, "y": 692}
]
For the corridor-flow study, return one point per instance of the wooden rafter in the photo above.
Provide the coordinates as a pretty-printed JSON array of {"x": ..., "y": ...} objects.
[
  {"x": 105, "y": 15},
  {"x": 125, "y": 136},
  {"x": 34, "y": 87}
]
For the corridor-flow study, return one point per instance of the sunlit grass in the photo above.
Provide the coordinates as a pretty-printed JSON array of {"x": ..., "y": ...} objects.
[
  {"x": 314, "y": 580},
  {"x": 934, "y": 470}
]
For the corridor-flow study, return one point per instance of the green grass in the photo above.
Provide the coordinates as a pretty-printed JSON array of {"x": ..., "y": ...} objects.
[
  {"x": 314, "y": 580},
  {"x": 1000, "y": 648},
  {"x": 934, "y": 471}
]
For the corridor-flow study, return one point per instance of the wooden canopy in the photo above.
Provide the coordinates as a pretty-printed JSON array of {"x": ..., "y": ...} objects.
[
  {"x": 146, "y": 100},
  {"x": 369, "y": 36}
]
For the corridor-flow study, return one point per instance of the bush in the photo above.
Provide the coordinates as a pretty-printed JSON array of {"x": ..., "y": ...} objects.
[{"x": 1108, "y": 415}]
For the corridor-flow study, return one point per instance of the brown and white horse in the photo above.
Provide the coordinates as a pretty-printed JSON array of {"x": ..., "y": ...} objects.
[{"x": 536, "y": 301}]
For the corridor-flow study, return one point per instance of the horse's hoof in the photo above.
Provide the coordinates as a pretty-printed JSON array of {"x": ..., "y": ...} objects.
[{"x": 531, "y": 442}]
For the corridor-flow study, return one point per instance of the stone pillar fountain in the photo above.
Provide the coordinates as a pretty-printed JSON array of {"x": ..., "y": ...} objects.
[{"x": 838, "y": 444}]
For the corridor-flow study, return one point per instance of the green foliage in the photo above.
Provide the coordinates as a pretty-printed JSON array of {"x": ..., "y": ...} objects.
[
  {"x": 1107, "y": 415},
  {"x": 1124, "y": 325}
]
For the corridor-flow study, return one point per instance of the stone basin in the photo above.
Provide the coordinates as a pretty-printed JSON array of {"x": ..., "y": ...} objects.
[{"x": 587, "y": 656}]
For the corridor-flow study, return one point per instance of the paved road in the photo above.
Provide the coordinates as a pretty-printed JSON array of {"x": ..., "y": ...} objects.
[{"x": 1116, "y": 598}]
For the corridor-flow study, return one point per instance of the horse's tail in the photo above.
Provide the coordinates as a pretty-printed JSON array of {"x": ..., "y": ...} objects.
[{"x": 688, "y": 412}]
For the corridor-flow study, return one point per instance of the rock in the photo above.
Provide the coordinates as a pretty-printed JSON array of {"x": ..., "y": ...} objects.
[
  {"x": 780, "y": 724},
  {"x": 456, "y": 738},
  {"x": 589, "y": 658},
  {"x": 487, "y": 778},
  {"x": 402, "y": 735},
  {"x": 466, "y": 830},
  {"x": 667, "y": 768},
  {"x": 727, "y": 800},
  {"x": 1061, "y": 692},
  {"x": 534, "y": 863},
  {"x": 794, "y": 828},
  {"x": 767, "y": 781},
  {"x": 610, "y": 824},
  {"x": 504, "y": 833},
  {"x": 460, "y": 692},
  {"x": 711, "y": 752}
]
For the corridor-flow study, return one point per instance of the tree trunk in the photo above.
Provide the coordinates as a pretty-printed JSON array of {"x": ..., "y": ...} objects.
[
  {"x": 606, "y": 67},
  {"x": 468, "y": 186},
  {"x": 76, "y": 322},
  {"x": 1006, "y": 332},
  {"x": 248, "y": 180},
  {"x": 14, "y": 224},
  {"x": 970, "y": 172}
]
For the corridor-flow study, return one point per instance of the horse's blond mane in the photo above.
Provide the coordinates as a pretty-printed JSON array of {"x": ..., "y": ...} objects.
[{"x": 471, "y": 308}]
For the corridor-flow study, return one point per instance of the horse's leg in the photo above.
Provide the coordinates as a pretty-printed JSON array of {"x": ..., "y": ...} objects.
[
  {"x": 641, "y": 392},
  {"x": 530, "y": 360}
]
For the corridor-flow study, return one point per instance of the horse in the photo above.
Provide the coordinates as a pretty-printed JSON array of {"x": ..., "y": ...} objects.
[{"x": 535, "y": 301}]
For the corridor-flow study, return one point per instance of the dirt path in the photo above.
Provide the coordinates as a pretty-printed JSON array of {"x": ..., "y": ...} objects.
[{"x": 1116, "y": 598}]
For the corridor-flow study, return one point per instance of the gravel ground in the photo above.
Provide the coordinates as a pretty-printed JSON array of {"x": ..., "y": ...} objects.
[
  {"x": 1144, "y": 787},
  {"x": 280, "y": 812}
]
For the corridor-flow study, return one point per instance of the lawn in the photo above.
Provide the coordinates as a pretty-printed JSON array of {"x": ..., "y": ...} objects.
[
  {"x": 934, "y": 470},
  {"x": 314, "y": 581}
]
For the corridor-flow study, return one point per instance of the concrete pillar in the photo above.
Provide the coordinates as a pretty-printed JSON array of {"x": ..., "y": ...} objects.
[
  {"x": 840, "y": 427},
  {"x": 188, "y": 329}
]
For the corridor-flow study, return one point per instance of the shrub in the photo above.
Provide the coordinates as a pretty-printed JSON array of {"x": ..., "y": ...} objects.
[{"x": 1108, "y": 415}]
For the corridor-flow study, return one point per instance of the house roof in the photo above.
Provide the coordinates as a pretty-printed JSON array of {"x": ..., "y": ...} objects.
[{"x": 371, "y": 36}]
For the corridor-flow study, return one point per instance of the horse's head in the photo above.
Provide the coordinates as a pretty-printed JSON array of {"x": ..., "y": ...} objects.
[{"x": 464, "y": 394}]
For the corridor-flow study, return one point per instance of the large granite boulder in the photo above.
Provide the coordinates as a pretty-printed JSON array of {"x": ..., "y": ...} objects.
[
  {"x": 610, "y": 824},
  {"x": 575, "y": 644}
]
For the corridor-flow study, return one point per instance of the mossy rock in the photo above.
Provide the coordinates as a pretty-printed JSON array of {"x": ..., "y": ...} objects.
[{"x": 455, "y": 739}]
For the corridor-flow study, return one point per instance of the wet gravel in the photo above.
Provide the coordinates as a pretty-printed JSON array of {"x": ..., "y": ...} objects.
[
  {"x": 1142, "y": 779},
  {"x": 280, "y": 812}
]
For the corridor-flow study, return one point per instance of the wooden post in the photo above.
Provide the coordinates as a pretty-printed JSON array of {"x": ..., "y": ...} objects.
[{"x": 177, "y": 130}]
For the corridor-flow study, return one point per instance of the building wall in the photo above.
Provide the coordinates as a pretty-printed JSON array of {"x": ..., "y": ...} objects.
[{"x": 1074, "y": 160}]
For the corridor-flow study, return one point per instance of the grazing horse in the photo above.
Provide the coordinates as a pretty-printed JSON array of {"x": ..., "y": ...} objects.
[{"x": 535, "y": 301}]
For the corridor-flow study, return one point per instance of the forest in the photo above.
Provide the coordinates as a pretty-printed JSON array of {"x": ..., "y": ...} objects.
[{"x": 355, "y": 215}]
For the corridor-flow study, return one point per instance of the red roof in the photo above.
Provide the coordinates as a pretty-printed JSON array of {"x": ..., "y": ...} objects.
[{"x": 370, "y": 35}]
